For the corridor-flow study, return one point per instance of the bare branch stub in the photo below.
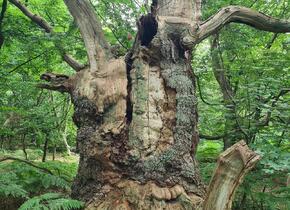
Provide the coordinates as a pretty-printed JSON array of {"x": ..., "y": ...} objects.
[{"x": 56, "y": 82}]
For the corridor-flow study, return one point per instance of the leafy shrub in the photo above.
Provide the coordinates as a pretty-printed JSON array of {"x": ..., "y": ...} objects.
[{"x": 20, "y": 180}]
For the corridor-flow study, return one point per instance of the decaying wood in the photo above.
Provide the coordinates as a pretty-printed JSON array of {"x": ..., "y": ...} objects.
[
  {"x": 232, "y": 166},
  {"x": 57, "y": 82},
  {"x": 42, "y": 23},
  {"x": 132, "y": 195}
]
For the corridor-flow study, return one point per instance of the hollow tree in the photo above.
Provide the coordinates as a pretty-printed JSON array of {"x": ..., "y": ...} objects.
[{"x": 137, "y": 116}]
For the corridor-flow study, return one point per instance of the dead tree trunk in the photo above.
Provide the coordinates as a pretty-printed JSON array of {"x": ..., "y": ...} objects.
[
  {"x": 233, "y": 130},
  {"x": 137, "y": 116}
]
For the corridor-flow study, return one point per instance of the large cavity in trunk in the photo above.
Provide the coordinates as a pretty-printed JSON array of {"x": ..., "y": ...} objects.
[{"x": 147, "y": 28}]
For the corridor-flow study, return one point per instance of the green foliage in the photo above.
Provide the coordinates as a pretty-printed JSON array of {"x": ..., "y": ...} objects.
[
  {"x": 9, "y": 186},
  {"x": 20, "y": 180},
  {"x": 256, "y": 64},
  {"x": 52, "y": 201}
]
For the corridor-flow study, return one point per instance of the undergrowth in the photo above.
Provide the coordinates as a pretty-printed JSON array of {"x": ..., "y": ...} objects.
[{"x": 26, "y": 187}]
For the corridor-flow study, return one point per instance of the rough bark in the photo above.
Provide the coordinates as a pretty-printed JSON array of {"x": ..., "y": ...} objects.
[
  {"x": 231, "y": 168},
  {"x": 136, "y": 120}
]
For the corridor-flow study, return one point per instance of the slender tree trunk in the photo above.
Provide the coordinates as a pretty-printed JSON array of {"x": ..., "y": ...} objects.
[
  {"x": 45, "y": 146},
  {"x": 2, "y": 142},
  {"x": 64, "y": 138},
  {"x": 10, "y": 143},
  {"x": 54, "y": 152},
  {"x": 232, "y": 132},
  {"x": 24, "y": 147}
]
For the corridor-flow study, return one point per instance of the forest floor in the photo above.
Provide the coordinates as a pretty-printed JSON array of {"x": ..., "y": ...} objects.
[
  {"x": 20, "y": 181},
  {"x": 36, "y": 155}
]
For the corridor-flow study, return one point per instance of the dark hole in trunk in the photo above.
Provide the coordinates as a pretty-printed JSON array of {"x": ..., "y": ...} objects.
[
  {"x": 129, "y": 106},
  {"x": 147, "y": 29}
]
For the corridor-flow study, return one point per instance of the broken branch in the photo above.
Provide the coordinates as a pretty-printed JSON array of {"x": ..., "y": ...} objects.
[
  {"x": 233, "y": 164},
  {"x": 57, "y": 82}
]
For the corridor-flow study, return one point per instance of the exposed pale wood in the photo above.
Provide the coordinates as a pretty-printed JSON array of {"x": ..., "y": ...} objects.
[
  {"x": 91, "y": 30},
  {"x": 42, "y": 23},
  {"x": 197, "y": 11},
  {"x": 232, "y": 166},
  {"x": 238, "y": 15},
  {"x": 177, "y": 8}
]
